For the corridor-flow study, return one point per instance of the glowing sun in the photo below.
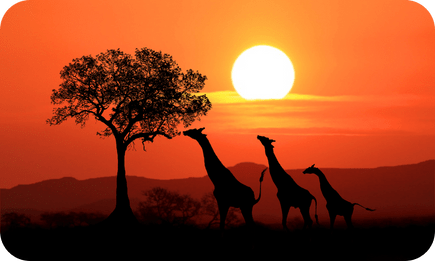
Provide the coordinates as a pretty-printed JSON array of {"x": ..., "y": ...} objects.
[{"x": 263, "y": 72}]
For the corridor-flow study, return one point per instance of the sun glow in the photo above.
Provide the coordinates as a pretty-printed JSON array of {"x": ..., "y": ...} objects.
[{"x": 263, "y": 72}]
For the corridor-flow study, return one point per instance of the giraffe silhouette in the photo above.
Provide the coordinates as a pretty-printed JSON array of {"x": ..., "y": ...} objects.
[
  {"x": 289, "y": 193},
  {"x": 229, "y": 192},
  {"x": 335, "y": 204}
]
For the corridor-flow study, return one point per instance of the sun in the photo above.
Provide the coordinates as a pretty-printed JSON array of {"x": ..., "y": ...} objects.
[{"x": 263, "y": 72}]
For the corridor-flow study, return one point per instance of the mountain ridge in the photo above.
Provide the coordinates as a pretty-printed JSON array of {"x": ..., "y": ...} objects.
[
  {"x": 236, "y": 165},
  {"x": 371, "y": 187}
]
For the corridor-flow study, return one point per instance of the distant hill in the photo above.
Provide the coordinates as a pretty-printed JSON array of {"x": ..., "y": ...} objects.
[{"x": 395, "y": 192}]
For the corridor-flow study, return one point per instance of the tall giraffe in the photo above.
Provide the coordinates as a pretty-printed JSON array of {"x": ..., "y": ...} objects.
[
  {"x": 229, "y": 192},
  {"x": 289, "y": 193},
  {"x": 335, "y": 204}
]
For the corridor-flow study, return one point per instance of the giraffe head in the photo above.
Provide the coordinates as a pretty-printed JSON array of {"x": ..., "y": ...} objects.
[
  {"x": 311, "y": 170},
  {"x": 194, "y": 133},
  {"x": 265, "y": 141}
]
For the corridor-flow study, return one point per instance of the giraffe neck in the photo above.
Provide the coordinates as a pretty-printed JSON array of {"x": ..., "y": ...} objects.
[
  {"x": 327, "y": 190},
  {"x": 277, "y": 172},
  {"x": 216, "y": 171}
]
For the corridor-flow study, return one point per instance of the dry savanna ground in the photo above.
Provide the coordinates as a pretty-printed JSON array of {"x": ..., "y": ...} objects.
[{"x": 369, "y": 241}]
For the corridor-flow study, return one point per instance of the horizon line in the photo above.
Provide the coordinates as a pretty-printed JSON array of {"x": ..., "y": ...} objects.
[{"x": 245, "y": 162}]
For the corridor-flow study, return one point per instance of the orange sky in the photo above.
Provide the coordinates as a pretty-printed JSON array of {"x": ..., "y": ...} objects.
[{"x": 363, "y": 94}]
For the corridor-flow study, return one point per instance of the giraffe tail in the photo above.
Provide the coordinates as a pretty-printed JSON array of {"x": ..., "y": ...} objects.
[
  {"x": 369, "y": 209},
  {"x": 315, "y": 215},
  {"x": 261, "y": 180}
]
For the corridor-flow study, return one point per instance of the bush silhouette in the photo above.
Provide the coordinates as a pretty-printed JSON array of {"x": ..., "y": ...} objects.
[
  {"x": 13, "y": 220},
  {"x": 71, "y": 219},
  {"x": 166, "y": 207}
]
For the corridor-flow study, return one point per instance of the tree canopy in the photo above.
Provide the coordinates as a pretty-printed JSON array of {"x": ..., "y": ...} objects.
[{"x": 137, "y": 97}]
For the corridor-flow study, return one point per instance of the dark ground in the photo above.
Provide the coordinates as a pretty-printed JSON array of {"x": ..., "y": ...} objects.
[{"x": 165, "y": 242}]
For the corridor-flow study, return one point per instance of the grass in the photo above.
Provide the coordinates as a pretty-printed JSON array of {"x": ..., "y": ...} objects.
[{"x": 166, "y": 242}]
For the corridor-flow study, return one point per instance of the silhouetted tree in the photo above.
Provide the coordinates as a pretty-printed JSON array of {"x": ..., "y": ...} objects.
[
  {"x": 209, "y": 208},
  {"x": 139, "y": 97},
  {"x": 187, "y": 209},
  {"x": 12, "y": 220},
  {"x": 168, "y": 207},
  {"x": 90, "y": 218},
  {"x": 57, "y": 219},
  {"x": 71, "y": 219}
]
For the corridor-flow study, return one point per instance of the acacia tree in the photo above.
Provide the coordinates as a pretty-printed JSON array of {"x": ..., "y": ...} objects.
[
  {"x": 168, "y": 207},
  {"x": 136, "y": 98}
]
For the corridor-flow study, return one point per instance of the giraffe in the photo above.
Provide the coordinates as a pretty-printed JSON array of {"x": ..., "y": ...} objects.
[
  {"x": 289, "y": 193},
  {"x": 228, "y": 191},
  {"x": 335, "y": 204}
]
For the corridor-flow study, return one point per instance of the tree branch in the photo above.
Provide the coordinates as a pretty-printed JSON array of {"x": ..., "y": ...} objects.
[
  {"x": 148, "y": 136},
  {"x": 108, "y": 123}
]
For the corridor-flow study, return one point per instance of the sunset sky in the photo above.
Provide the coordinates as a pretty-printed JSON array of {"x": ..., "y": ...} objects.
[{"x": 363, "y": 94}]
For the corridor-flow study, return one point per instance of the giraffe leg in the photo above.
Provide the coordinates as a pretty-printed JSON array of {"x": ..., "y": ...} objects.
[
  {"x": 306, "y": 216},
  {"x": 247, "y": 215},
  {"x": 249, "y": 220},
  {"x": 348, "y": 214},
  {"x": 332, "y": 219},
  {"x": 223, "y": 210},
  {"x": 284, "y": 209},
  {"x": 348, "y": 219}
]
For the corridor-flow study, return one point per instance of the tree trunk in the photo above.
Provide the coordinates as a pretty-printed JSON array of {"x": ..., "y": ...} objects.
[
  {"x": 122, "y": 200},
  {"x": 122, "y": 216}
]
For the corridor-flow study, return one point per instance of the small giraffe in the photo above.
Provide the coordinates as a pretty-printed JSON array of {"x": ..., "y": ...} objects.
[
  {"x": 289, "y": 193},
  {"x": 229, "y": 192},
  {"x": 335, "y": 204}
]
